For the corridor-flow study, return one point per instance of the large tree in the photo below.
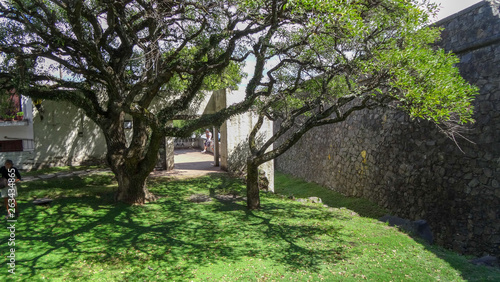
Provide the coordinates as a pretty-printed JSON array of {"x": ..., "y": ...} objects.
[
  {"x": 144, "y": 59},
  {"x": 149, "y": 60},
  {"x": 379, "y": 55}
]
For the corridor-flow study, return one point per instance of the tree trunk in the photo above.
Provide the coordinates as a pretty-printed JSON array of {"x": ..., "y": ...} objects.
[
  {"x": 132, "y": 188},
  {"x": 132, "y": 173},
  {"x": 253, "y": 197},
  {"x": 132, "y": 163}
]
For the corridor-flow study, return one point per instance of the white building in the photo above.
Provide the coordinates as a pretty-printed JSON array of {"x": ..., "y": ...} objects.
[
  {"x": 59, "y": 134},
  {"x": 56, "y": 134}
]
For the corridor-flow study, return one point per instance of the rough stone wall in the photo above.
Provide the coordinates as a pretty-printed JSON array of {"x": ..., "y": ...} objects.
[{"x": 411, "y": 168}]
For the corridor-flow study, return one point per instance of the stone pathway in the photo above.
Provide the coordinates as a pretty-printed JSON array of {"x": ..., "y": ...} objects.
[
  {"x": 188, "y": 163},
  {"x": 64, "y": 174}
]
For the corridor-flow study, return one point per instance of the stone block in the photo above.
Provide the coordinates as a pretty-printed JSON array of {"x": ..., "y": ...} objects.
[
  {"x": 474, "y": 182},
  {"x": 488, "y": 172},
  {"x": 486, "y": 261}
]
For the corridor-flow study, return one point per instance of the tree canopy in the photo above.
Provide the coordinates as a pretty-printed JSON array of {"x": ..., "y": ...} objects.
[
  {"x": 385, "y": 56},
  {"x": 149, "y": 60}
]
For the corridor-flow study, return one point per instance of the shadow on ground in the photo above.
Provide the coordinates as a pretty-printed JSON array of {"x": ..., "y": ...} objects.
[
  {"x": 468, "y": 271},
  {"x": 290, "y": 186},
  {"x": 85, "y": 235}
]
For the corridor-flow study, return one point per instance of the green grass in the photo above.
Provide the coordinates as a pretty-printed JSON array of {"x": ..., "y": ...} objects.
[
  {"x": 84, "y": 235},
  {"x": 288, "y": 185},
  {"x": 49, "y": 170}
]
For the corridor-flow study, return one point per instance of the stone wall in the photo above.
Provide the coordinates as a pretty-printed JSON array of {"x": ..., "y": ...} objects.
[{"x": 410, "y": 167}]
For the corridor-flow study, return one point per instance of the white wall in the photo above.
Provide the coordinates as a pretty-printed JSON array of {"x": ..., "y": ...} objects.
[
  {"x": 234, "y": 140},
  {"x": 56, "y": 138}
]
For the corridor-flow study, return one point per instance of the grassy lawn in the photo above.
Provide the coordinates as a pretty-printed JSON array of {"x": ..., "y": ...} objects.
[
  {"x": 84, "y": 235},
  {"x": 58, "y": 169},
  {"x": 288, "y": 186}
]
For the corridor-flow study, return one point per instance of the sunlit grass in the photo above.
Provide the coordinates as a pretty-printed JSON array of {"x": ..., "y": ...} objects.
[{"x": 85, "y": 235}]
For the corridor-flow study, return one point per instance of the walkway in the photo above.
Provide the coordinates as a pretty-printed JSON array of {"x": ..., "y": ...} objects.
[{"x": 190, "y": 163}]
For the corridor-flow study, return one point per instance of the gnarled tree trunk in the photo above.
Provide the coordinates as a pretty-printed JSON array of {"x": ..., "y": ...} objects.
[
  {"x": 253, "y": 197},
  {"x": 132, "y": 163},
  {"x": 132, "y": 188}
]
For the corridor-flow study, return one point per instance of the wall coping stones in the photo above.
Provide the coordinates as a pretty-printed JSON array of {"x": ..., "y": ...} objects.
[{"x": 449, "y": 18}]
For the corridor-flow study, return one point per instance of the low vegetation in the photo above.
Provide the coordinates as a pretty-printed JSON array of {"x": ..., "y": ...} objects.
[
  {"x": 85, "y": 235},
  {"x": 298, "y": 188},
  {"x": 57, "y": 169}
]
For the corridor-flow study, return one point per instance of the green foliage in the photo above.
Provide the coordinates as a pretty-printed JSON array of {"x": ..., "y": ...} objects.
[
  {"x": 7, "y": 106},
  {"x": 426, "y": 81},
  {"x": 182, "y": 123},
  {"x": 369, "y": 46},
  {"x": 229, "y": 78},
  {"x": 344, "y": 56},
  {"x": 317, "y": 44},
  {"x": 316, "y": 61},
  {"x": 8, "y": 117},
  {"x": 84, "y": 235}
]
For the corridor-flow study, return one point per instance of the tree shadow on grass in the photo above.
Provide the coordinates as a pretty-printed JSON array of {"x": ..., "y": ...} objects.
[
  {"x": 300, "y": 248},
  {"x": 94, "y": 185},
  {"x": 90, "y": 237},
  {"x": 277, "y": 221},
  {"x": 468, "y": 271}
]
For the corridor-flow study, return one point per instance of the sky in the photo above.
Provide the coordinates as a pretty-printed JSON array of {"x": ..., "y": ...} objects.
[{"x": 450, "y": 7}]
